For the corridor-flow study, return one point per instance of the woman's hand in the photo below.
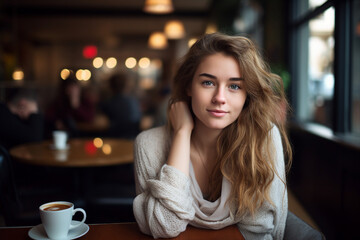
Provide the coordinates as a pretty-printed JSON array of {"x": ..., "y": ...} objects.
[
  {"x": 180, "y": 117},
  {"x": 183, "y": 124}
]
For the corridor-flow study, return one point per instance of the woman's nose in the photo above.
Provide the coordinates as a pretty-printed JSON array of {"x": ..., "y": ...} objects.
[{"x": 219, "y": 96}]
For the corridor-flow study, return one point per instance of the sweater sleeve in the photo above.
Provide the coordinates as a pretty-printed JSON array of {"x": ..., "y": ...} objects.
[
  {"x": 163, "y": 205},
  {"x": 269, "y": 221}
]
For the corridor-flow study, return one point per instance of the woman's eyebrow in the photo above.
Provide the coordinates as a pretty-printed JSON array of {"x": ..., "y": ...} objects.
[
  {"x": 207, "y": 75},
  {"x": 213, "y": 77},
  {"x": 237, "y": 79}
]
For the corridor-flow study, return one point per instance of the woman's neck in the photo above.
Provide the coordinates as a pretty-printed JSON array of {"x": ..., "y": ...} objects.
[
  {"x": 203, "y": 157},
  {"x": 204, "y": 138}
]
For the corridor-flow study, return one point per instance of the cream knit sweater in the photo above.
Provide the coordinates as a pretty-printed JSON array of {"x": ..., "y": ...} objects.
[{"x": 167, "y": 200}]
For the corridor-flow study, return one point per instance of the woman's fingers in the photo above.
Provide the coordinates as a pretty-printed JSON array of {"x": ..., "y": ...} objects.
[{"x": 180, "y": 116}]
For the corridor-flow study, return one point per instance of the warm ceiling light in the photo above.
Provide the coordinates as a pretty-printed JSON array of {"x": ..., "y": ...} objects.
[
  {"x": 158, "y": 6},
  {"x": 158, "y": 40},
  {"x": 211, "y": 28},
  {"x": 174, "y": 29},
  {"x": 192, "y": 41},
  {"x": 18, "y": 74}
]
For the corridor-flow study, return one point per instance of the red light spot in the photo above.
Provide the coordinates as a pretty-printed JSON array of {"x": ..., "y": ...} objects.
[
  {"x": 90, "y": 148},
  {"x": 90, "y": 51}
]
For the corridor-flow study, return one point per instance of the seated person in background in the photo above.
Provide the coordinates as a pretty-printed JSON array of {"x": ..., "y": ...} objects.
[
  {"x": 69, "y": 108},
  {"x": 220, "y": 161},
  {"x": 20, "y": 119},
  {"x": 122, "y": 109}
]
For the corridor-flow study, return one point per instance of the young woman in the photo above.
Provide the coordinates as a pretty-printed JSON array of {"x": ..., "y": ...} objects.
[{"x": 221, "y": 160}]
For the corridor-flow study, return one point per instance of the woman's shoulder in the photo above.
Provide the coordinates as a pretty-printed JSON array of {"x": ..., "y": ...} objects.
[
  {"x": 158, "y": 136},
  {"x": 151, "y": 149}
]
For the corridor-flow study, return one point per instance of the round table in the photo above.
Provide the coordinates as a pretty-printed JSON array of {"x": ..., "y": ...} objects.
[{"x": 82, "y": 152}]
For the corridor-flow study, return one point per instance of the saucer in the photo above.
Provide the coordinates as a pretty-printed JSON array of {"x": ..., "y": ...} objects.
[
  {"x": 38, "y": 232},
  {"x": 52, "y": 146}
]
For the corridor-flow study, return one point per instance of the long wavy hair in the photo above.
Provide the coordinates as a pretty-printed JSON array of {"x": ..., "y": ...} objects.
[{"x": 244, "y": 148}]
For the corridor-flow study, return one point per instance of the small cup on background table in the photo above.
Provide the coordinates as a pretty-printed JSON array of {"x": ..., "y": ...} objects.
[{"x": 60, "y": 139}]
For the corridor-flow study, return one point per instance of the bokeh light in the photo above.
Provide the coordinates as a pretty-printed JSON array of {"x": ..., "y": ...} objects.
[
  {"x": 130, "y": 62},
  {"x": 83, "y": 74},
  {"x": 106, "y": 149},
  {"x": 98, "y": 142},
  {"x": 98, "y": 62},
  {"x": 111, "y": 62},
  {"x": 18, "y": 75},
  {"x": 144, "y": 62},
  {"x": 65, "y": 73}
]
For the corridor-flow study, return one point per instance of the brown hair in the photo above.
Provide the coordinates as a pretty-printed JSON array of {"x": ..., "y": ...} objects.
[{"x": 245, "y": 149}]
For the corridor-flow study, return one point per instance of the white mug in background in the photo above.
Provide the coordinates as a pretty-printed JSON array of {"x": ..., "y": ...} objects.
[
  {"x": 56, "y": 218},
  {"x": 60, "y": 139}
]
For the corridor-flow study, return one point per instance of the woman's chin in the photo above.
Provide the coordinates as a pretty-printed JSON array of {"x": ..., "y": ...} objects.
[{"x": 216, "y": 126}]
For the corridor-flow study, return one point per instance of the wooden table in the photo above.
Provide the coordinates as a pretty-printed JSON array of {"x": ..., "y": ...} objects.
[
  {"x": 131, "y": 231},
  {"x": 82, "y": 152}
]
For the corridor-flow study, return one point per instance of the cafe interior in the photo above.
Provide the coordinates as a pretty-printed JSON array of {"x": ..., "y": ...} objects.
[{"x": 100, "y": 49}]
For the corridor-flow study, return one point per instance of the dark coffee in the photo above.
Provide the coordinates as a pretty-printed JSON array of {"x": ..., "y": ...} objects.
[{"x": 56, "y": 207}]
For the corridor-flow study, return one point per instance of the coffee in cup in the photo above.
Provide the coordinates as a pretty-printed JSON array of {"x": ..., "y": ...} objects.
[
  {"x": 56, "y": 218},
  {"x": 56, "y": 207}
]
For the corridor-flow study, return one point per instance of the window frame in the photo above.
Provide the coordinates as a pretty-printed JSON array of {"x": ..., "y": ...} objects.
[{"x": 342, "y": 99}]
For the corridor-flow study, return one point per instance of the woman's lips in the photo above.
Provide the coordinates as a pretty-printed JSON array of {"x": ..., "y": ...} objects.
[{"x": 217, "y": 113}]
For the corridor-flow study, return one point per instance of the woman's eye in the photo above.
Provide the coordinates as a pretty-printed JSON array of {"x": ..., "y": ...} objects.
[
  {"x": 207, "y": 83},
  {"x": 235, "y": 87}
]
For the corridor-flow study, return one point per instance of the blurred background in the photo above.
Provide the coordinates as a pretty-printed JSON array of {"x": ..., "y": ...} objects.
[{"x": 110, "y": 47}]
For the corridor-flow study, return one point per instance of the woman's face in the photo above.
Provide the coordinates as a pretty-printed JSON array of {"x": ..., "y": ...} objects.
[{"x": 217, "y": 91}]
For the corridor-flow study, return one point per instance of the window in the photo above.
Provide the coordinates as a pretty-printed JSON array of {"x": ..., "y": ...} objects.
[
  {"x": 355, "y": 32},
  {"x": 313, "y": 55},
  {"x": 324, "y": 52},
  {"x": 321, "y": 74}
]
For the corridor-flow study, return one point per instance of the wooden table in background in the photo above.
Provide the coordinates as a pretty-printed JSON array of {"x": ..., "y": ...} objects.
[
  {"x": 81, "y": 152},
  {"x": 131, "y": 231},
  {"x": 81, "y": 161}
]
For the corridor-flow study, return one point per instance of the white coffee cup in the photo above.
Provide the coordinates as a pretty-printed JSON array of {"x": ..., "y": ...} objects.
[
  {"x": 56, "y": 218},
  {"x": 60, "y": 139}
]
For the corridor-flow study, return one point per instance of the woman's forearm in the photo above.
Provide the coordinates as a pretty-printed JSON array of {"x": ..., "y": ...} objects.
[{"x": 179, "y": 156}]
